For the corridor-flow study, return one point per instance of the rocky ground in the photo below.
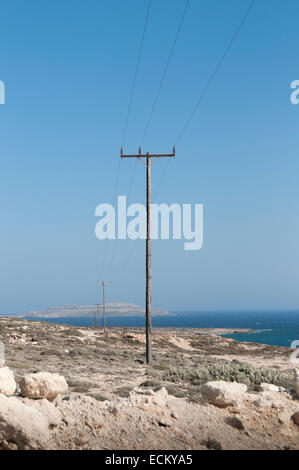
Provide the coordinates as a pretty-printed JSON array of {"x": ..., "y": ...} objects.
[{"x": 201, "y": 392}]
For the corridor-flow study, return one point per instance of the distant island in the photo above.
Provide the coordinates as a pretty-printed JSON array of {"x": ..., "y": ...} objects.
[{"x": 114, "y": 309}]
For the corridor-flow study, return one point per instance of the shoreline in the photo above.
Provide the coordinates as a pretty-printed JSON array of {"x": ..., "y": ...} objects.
[
  {"x": 155, "y": 329},
  {"x": 251, "y": 335}
]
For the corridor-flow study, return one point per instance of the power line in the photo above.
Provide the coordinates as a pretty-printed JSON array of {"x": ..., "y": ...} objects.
[
  {"x": 157, "y": 94},
  {"x": 210, "y": 81},
  {"x": 202, "y": 96},
  {"x": 129, "y": 112},
  {"x": 162, "y": 178},
  {"x": 165, "y": 71},
  {"x": 136, "y": 73},
  {"x": 159, "y": 90},
  {"x": 133, "y": 91}
]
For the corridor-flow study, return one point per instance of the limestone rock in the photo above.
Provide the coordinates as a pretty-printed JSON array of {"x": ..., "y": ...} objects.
[
  {"x": 7, "y": 382},
  {"x": 142, "y": 391},
  {"x": 47, "y": 409},
  {"x": 284, "y": 418},
  {"x": 160, "y": 397},
  {"x": 22, "y": 425},
  {"x": 270, "y": 388},
  {"x": 295, "y": 418},
  {"x": 42, "y": 385},
  {"x": 222, "y": 393},
  {"x": 268, "y": 400},
  {"x": 296, "y": 382}
]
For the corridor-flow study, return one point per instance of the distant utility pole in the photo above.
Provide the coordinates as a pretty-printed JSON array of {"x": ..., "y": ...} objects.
[
  {"x": 104, "y": 284},
  {"x": 97, "y": 316},
  {"x": 148, "y": 297}
]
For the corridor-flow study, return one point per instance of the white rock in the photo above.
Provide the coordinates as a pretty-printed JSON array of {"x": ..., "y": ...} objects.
[
  {"x": 160, "y": 397},
  {"x": 47, "y": 409},
  {"x": 296, "y": 382},
  {"x": 42, "y": 385},
  {"x": 25, "y": 426},
  {"x": 7, "y": 381},
  {"x": 222, "y": 393},
  {"x": 269, "y": 388},
  {"x": 284, "y": 418},
  {"x": 267, "y": 400},
  {"x": 142, "y": 391},
  {"x": 295, "y": 418}
]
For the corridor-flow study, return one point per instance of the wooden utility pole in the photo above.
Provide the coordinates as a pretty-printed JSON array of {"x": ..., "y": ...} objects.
[
  {"x": 148, "y": 296},
  {"x": 104, "y": 283},
  {"x": 97, "y": 316}
]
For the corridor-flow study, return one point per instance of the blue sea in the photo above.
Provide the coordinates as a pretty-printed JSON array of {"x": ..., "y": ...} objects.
[{"x": 272, "y": 328}]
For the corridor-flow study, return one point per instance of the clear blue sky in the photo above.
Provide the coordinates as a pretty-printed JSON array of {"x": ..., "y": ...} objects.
[{"x": 68, "y": 67}]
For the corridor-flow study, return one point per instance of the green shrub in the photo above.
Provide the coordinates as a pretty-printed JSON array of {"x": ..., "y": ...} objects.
[{"x": 229, "y": 372}]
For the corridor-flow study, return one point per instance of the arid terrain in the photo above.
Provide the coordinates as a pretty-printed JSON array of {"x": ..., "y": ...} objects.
[{"x": 115, "y": 401}]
